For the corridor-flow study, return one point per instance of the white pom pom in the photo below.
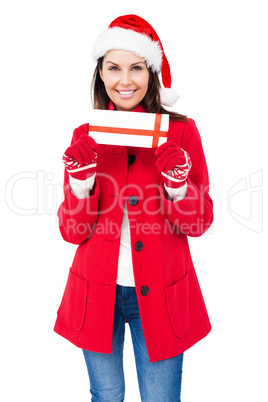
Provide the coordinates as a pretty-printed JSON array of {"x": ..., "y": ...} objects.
[{"x": 168, "y": 96}]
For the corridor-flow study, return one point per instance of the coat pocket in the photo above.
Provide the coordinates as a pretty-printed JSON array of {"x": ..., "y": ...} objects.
[
  {"x": 183, "y": 307},
  {"x": 73, "y": 305}
]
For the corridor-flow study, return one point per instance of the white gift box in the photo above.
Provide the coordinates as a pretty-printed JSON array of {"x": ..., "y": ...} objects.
[{"x": 148, "y": 130}]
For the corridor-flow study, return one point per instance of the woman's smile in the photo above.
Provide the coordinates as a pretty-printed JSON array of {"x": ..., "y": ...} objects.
[{"x": 126, "y": 94}]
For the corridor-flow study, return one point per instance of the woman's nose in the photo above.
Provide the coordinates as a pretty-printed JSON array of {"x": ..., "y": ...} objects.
[{"x": 125, "y": 78}]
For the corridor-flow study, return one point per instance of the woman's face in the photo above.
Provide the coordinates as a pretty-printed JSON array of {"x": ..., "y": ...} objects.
[{"x": 125, "y": 76}]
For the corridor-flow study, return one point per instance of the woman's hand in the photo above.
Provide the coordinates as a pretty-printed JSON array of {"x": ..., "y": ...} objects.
[
  {"x": 80, "y": 158},
  {"x": 173, "y": 163}
]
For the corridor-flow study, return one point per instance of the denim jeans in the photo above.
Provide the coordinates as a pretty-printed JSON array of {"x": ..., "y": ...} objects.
[{"x": 158, "y": 382}]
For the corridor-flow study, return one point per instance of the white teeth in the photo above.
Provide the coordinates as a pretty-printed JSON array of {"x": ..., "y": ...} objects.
[{"x": 126, "y": 92}]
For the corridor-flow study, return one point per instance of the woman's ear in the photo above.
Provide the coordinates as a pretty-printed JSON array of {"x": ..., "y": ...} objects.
[{"x": 100, "y": 72}]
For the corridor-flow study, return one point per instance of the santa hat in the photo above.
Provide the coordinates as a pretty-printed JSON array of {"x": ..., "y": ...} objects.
[{"x": 132, "y": 33}]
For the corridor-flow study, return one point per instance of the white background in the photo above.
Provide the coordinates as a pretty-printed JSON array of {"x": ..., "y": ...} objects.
[{"x": 218, "y": 56}]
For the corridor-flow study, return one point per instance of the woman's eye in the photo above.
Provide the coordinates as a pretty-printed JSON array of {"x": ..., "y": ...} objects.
[{"x": 134, "y": 68}]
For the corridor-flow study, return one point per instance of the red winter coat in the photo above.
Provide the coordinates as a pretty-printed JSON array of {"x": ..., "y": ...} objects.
[{"x": 172, "y": 310}]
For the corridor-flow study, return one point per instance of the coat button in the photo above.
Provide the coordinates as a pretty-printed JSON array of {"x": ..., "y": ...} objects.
[
  {"x": 144, "y": 290},
  {"x": 139, "y": 246},
  {"x": 133, "y": 200},
  {"x": 131, "y": 159}
]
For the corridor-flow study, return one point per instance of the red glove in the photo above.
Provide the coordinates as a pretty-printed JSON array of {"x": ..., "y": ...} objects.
[
  {"x": 80, "y": 158},
  {"x": 174, "y": 164}
]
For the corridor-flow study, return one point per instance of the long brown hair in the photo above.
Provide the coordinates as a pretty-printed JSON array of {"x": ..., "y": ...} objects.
[{"x": 151, "y": 102}]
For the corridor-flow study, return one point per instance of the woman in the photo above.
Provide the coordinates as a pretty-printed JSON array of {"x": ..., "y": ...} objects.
[{"x": 131, "y": 209}]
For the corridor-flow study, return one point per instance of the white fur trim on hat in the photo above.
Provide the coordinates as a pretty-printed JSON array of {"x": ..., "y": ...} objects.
[
  {"x": 168, "y": 96},
  {"x": 127, "y": 39}
]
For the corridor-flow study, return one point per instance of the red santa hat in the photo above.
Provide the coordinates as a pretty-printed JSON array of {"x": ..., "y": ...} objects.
[{"x": 132, "y": 33}]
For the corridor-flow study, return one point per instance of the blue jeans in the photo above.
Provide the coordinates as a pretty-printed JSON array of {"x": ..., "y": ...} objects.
[{"x": 158, "y": 382}]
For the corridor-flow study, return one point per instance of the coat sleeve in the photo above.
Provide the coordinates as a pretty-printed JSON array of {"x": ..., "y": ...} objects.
[
  {"x": 194, "y": 214},
  {"x": 77, "y": 217}
]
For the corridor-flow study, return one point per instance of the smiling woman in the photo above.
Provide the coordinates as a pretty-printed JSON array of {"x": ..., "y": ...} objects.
[
  {"x": 141, "y": 273},
  {"x": 126, "y": 77}
]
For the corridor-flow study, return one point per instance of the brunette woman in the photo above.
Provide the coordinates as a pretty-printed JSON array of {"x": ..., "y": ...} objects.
[{"x": 130, "y": 210}]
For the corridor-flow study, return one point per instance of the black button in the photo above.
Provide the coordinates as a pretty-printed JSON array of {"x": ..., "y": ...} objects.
[
  {"x": 131, "y": 159},
  {"x": 144, "y": 290},
  {"x": 133, "y": 200},
  {"x": 139, "y": 246}
]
